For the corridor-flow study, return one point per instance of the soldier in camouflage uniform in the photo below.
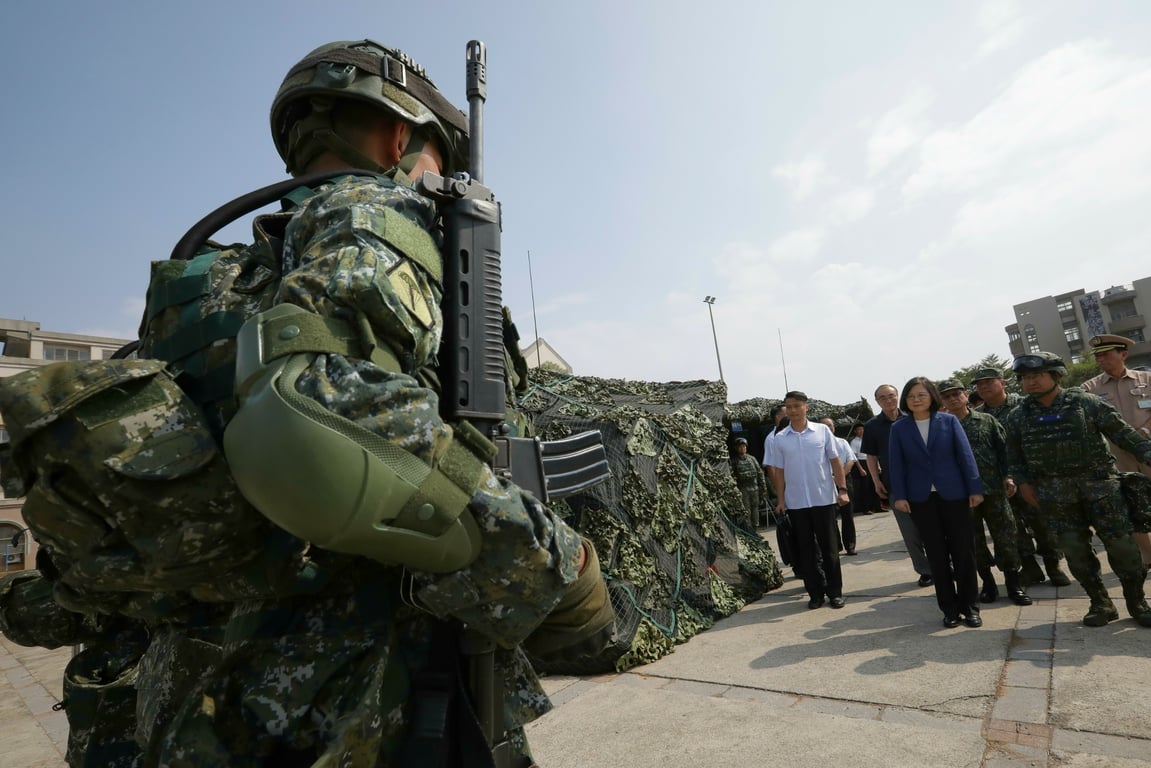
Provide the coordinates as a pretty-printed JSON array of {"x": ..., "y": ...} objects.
[
  {"x": 1057, "y": 453},
  {"x": 752, "y": 486},
  {"x": 354, "y": 659},
  {"x": 989, "y": 444},
  {"x": 1033, "y": 534}
]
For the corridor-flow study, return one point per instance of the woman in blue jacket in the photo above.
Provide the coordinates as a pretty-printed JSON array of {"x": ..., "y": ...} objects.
[{"x": 934, "y": 477}]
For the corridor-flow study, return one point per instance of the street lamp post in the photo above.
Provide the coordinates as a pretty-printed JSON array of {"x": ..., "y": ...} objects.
[{"x": 709, "y": 301}]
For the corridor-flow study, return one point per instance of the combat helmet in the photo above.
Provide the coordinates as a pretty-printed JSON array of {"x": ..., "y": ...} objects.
[
  {"x": 364, "y": 71},
  {"x": 1039, "y": 362}
]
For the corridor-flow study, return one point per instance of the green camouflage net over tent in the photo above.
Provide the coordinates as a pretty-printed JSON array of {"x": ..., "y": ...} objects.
[{"x": 662, "y": 524}]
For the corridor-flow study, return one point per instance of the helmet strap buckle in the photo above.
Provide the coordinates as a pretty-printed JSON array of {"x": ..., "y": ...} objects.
[{"x": 393, "y": 70}]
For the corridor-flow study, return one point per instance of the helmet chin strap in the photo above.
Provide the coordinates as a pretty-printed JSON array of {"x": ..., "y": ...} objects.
[
  {"x": 413, "y": 151},
  {"x": 313, "y": 135}
]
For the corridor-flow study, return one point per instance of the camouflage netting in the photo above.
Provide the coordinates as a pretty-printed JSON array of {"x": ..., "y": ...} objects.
[
  {"x": 756, "y": 413},
  {"x": 662, "y": 524}
]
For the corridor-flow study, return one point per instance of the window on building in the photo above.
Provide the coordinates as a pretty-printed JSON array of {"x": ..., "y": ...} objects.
[
  {"x": 1032, "y": 338},
  {"x": 12, "y": 538},
  {"x": 1136, "y": 335},
  {"x": 1013, "y": 335},
  {"x": 1123, "y": 309},
  {"x": 65, "y": 353},
  {"x": 1076, "y": 359},
  {"x": 1071, "y": 333},
  {"x": 1065, "y": 306}
]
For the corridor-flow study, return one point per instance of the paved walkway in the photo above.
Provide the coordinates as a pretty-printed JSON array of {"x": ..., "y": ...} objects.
[
  {"x": 879, "y": 683},
  {"x": 33, "y": 735}
]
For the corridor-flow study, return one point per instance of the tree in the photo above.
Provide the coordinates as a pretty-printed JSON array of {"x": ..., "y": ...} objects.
[
  {"x": 967, "y": 373},
  {"x": 1079, "y": 373}
]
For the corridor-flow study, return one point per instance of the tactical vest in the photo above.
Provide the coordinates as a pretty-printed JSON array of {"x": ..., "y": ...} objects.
[{"x": 1057, "y": 442}]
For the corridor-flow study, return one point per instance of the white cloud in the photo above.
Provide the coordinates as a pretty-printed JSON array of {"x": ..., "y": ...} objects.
[
  {"x": 898, "y": 130},
  {"x": 804, "y": 177},
  {"x": 1066, "y": 99},
  {"x": 1002, "y": 23},
  {"x": 851, "y": 205},
  {"x": 799, "y": 245}
]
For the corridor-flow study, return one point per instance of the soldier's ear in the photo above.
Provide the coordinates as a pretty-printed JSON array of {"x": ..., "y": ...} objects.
[{"x": 388, "y": 142}]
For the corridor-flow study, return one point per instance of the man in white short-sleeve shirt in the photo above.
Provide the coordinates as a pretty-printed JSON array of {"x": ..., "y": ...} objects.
[{"x": 811, "y": 484}]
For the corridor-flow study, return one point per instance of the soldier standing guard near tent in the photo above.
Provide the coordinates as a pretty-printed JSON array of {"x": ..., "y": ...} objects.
[
  {"x": 340, "y": 647},
  {"x": 752, "y": 486}
]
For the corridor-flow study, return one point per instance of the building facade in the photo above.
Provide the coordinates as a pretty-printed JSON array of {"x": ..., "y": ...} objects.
[
  {"x": 24, "y": 346},
  {"x": 1062, "y": 324},
  {"x": 540, "y": 352}
]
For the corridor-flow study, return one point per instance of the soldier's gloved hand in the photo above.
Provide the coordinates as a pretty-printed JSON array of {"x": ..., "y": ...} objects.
[{"x": 583, "y": 622}]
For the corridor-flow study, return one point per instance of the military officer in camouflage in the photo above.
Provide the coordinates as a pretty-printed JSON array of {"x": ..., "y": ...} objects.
[
  {"x": 1057, "y": 454},
  {"x": 752, "y": 486},
  {"x": 355, "y": 658},
  {"x": 989, "y": 444},
  {"x": 1032, "y": 532}
]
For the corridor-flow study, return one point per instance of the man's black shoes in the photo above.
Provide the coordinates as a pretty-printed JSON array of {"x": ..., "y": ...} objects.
[
  {"x": 973, "y": 620},
  {"x": 925, "y": 580},
  {"x": 814, "y": 603},
  {"x": 950, "y": 622},
  {"x": 836, "y": 602}
]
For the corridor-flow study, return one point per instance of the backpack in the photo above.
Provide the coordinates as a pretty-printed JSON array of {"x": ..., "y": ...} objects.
[{"x": 126, "y": 485}]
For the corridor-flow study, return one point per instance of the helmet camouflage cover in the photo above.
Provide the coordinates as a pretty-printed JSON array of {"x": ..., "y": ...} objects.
[
  {"x": 364, "y": 71},
  {"x": 1039, "y": 362}
]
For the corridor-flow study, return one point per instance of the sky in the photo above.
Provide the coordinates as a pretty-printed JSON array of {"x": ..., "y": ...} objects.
[{"x": 865, "y": 187}]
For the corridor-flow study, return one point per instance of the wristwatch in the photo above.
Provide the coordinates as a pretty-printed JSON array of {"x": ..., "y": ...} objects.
[{"x": 841, "y": 488}]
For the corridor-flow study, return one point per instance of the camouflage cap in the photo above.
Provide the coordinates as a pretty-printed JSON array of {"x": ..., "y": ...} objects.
[
  {"x": 1107, "y": 341},
  {"x": 948, "y": 385},
  {"x": 741, "y": 441},
  {"x": 987, "y": 373}
]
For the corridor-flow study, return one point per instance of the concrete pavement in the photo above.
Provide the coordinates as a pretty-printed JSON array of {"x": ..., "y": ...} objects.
[{"x": 878, "y": 683}]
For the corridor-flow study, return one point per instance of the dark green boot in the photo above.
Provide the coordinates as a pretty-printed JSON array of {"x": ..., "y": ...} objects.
[
  {"x": 1102, "y": 611},
  {"x": 1031, "y": 574},
  {"x": 1136, "y": 604},
  {"x": 990, "y": 591},
  {"x": 1055, "y": 574}
]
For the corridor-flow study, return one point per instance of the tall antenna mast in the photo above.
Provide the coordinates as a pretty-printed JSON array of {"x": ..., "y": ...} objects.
[{"x": 535, "y": 322}]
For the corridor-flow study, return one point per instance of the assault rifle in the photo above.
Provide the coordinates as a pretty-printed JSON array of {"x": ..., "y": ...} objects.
[
  {"x": 472, "y": 352},
  {"x": 472, "y": 383}
]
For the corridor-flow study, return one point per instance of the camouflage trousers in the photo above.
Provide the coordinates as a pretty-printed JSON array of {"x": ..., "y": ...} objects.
[
  {"x": 1077, "y": 505},
  {"x": 751, "y": 504},
  {"x": 1033, "y": 533},
  {"x": 996, "y": 513}
]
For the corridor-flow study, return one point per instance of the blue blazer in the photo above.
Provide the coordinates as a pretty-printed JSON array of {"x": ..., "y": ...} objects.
[{"x": 946, "y": 461}]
